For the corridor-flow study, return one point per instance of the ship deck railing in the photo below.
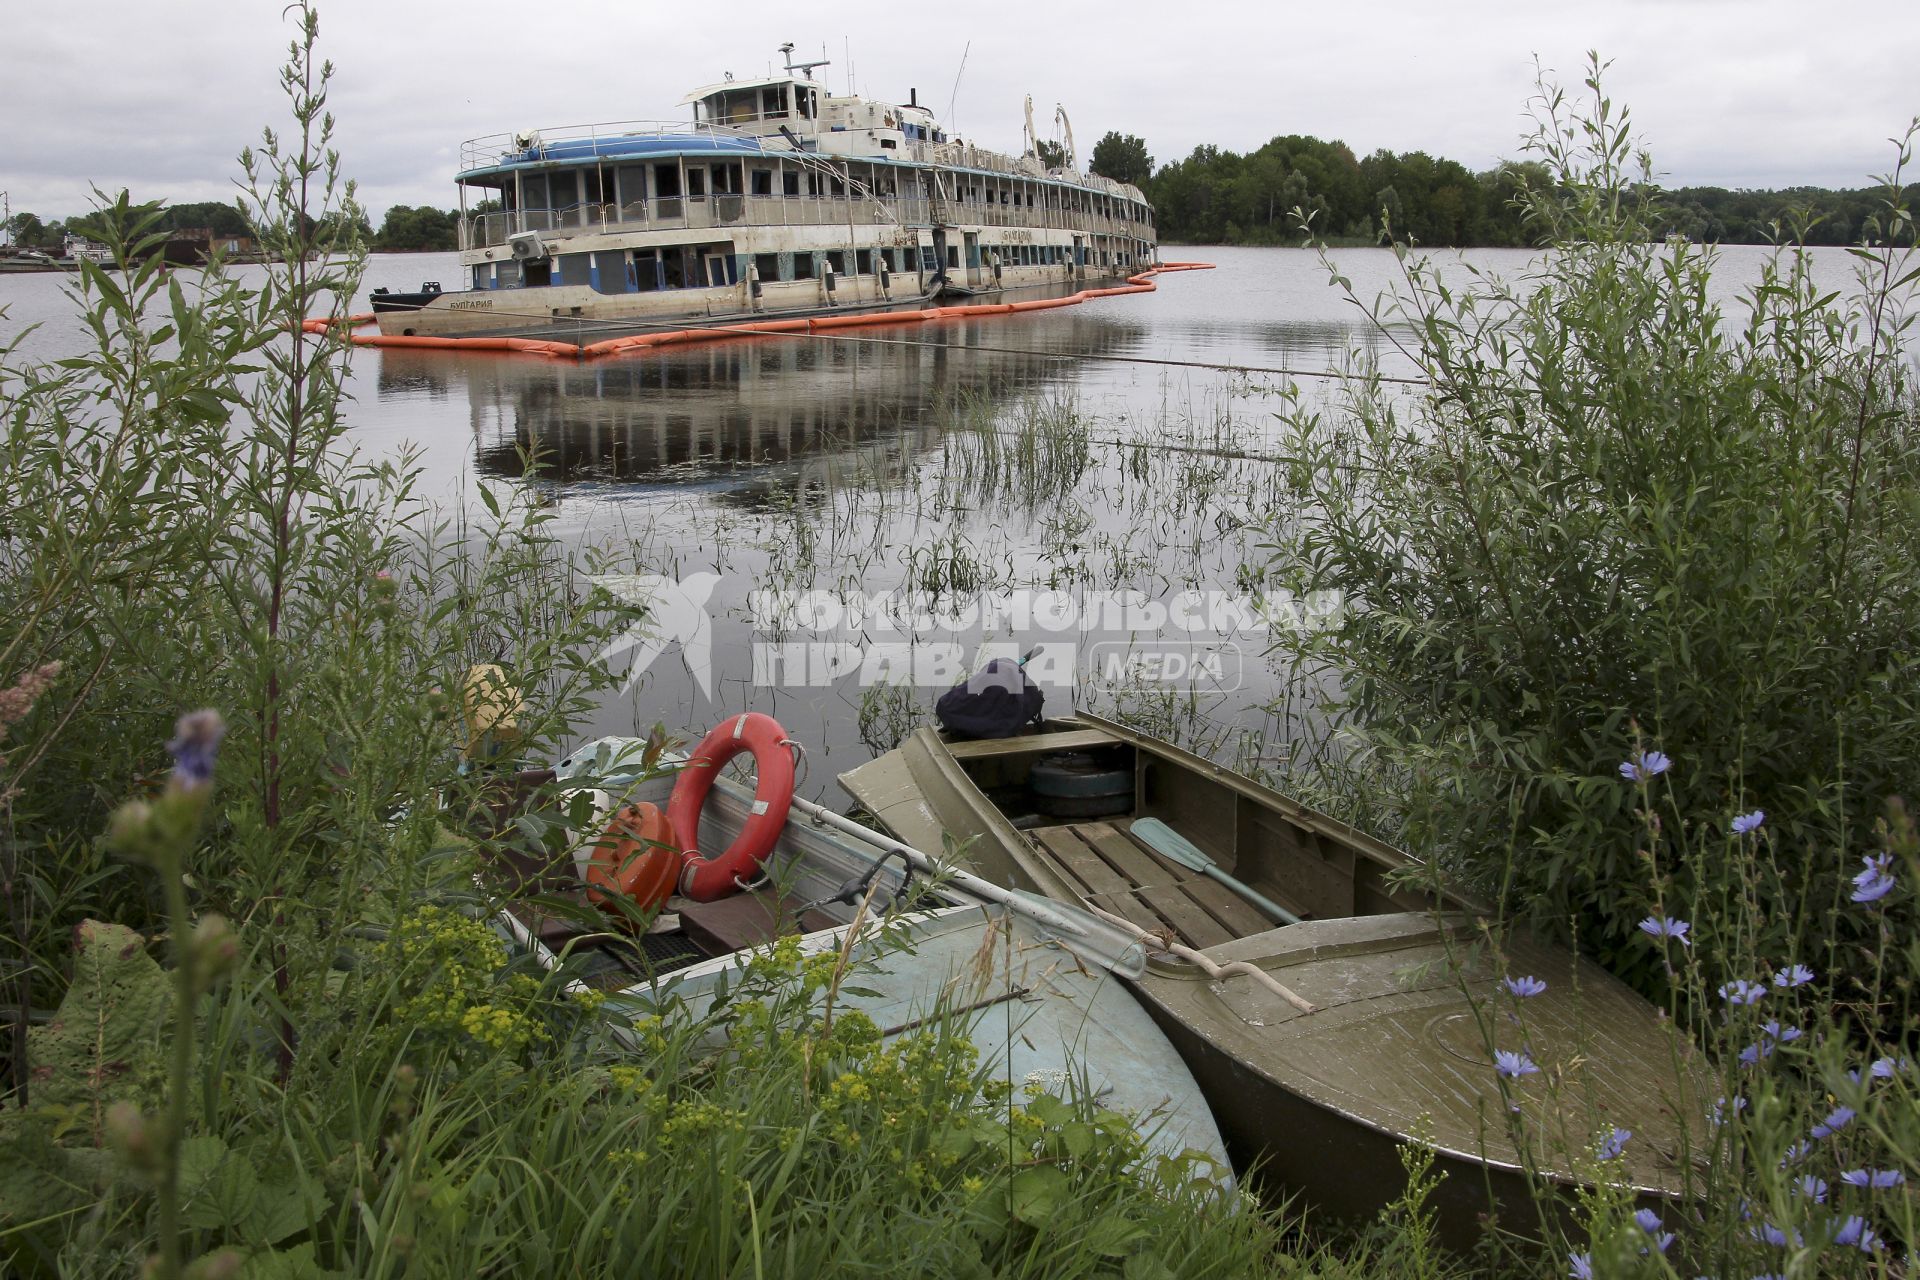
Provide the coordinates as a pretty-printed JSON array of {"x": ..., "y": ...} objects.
[{"x": 722, "y": 211}]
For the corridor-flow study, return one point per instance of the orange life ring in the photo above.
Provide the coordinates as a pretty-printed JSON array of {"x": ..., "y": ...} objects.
[
  {"x": 705, "y": 879},
  {"x": 636, "y": 860}
]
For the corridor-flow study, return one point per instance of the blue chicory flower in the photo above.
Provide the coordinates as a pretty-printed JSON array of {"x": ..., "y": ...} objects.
[
  {"x": 1741, "y": 992},
  {"x": 1524, "y": 986},
  {"x": 1876, "y": 1178},
  {"x": 1782, "y": 1035},
  {"x": 196, "y": 743},
  {"x": 1718, "y": 1115},
  {"x": 1794, "y": 975},
  {"x": 1837, "y": 1119},
  {"x": 1580, "y": 1266},
  {"x": 1513, "y": 1065},
  {"x": 1886, "y": 1068},
  {"x": 1855, "y": 1231},
  {"x": 1767, "y": 1233},
  {"x": 1666, "y": 927},
  {"x": 1644, "y": 765},
  {"x": 1875, "y": 882},
  {"x": 1753, "y": 1053},
  {"x": 1615, "y": 1143},
  {"x": 1814, "y": 1189},
  {"x": 1749, "y": 822}
]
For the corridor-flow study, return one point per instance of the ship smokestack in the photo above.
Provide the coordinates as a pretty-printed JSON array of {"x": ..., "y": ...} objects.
[{"x": 913, "y": 97}]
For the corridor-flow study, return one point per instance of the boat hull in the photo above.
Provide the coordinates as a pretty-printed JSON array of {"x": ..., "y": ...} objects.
[{"x": 1405, "y": 1008}]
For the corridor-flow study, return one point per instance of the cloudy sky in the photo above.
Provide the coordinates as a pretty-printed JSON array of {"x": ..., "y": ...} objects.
[{"x": 160, "y": 95}]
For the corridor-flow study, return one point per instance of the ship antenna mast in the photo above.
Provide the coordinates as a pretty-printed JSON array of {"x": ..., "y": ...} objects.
[
  {"x": 804, "y": 68},
  {"x": 968, "y": 48}
]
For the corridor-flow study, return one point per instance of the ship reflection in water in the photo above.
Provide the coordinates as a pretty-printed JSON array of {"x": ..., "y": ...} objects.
[{"x": 747, "y": 420}]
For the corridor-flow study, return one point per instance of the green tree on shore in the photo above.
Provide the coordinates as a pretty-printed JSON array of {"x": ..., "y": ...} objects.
[{"x": 1122, "y": 157}]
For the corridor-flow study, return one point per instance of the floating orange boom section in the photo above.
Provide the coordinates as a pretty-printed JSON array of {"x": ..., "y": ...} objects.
[{"x": 1141, "y": 283}]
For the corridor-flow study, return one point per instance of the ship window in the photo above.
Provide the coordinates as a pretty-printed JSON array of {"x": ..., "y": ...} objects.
[
  {"x": 763, "y": 182},
  {"x": 591, "y": 178},
  {"x": 767, "y": 265},
  {"x": 506, "y": 275},
  {"x": 533, "y": 189},
  {"x": 696, "y": 184},
  {"x": 537, "y": 274},
  {"x": 610, "y": 272},
  {"x": 481, "y": 272},
  {"x": 953, "y": 255},
  {"x": 838, "y": 261},
  {"x": 863, "y": 262},
  {"x": 576, "y": 268},
  {"x": 773, "y": 102},
  {"x": 789, "y": 182},
  {"x": 888, "y": 144},
  {"x": 675, "y": 262},
  {"x": 633, "y": 183},
  {"x": 803, "y": 266},
  {"x": 666, "y": 180},
  {"x": 646, "y": 270}
]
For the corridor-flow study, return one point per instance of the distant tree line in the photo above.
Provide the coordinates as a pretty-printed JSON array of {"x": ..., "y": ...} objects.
[
  {"x": 1222, "y": 197},
  {"x": 404, "y": 229}
]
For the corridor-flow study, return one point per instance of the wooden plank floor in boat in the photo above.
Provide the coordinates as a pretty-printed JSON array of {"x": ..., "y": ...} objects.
[{"x": 1117, "y": 873}]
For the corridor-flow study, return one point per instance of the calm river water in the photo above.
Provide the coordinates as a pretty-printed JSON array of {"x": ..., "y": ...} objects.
[{"x": 1023, "y": 475}]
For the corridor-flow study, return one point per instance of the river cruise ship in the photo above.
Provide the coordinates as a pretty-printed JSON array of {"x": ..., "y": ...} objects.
[{"x": 778, "y": 199}]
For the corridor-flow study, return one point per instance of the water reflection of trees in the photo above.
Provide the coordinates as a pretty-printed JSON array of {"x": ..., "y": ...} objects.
[{"x": 749, "y": 417}]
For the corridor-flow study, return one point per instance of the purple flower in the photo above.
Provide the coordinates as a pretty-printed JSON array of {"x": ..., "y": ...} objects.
[
  {"x": 1814, "y": 1189},
  {"x": 1783, "y": 1035},
  {"x": 1855, "y": 1231},
  {"x": 1767, "y": 1233},
  {"x": 1875, "y": 1178},
  {"x": 1513, "y": 1065},
  {"x": 1876, "y": 882},
  {"x": 1749, "y": 822},
  {"x": 1580, "y": 1266},
  {"x": 1615, "y": 1143},
  {"x": 1741, "y": 992},
  {"x": 1644, "y": 765},
  {"x": 1524, "y": 987},
  {"x": 1649, "y": 1221},
  {"x": 1719, "y": 1109},
  {"x": 1794, "y": 975},
  {"x": 1837, "y": 1119},
  {"x": 196, "y": 741},
  {"x": 1795, "y": 1154},
  {"x": 1666, "y": 927},
  {"x": 1885, "y": 1068},
  {"x": 1753, "y": 1053}
]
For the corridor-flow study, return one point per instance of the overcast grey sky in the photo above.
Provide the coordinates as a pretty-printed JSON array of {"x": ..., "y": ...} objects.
[{"x": 160, "y": 95}]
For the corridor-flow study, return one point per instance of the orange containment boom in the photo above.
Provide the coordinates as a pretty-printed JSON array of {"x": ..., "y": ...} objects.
[{"x": 1141, "y": 283}]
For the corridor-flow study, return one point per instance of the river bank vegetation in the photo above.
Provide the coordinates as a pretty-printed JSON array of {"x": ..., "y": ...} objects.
[
  {"x": 1627, "y": 647},
  {"x": 1214, "y": 196}
]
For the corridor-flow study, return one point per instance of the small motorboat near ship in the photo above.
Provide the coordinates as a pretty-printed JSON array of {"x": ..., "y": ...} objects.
[
  {"x": 1331, "y": 1011},
  {"x": 780, "y": 199}
]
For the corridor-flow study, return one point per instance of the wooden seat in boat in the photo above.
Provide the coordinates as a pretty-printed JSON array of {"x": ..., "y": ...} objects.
[{"x": 1117, "y": 872}]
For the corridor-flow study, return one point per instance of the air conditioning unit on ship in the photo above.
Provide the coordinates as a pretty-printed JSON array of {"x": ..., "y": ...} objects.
[{"x": 527, "y": 246}]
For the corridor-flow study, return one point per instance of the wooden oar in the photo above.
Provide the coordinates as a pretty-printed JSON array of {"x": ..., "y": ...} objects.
[{"x": 1170, "y": 844}]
